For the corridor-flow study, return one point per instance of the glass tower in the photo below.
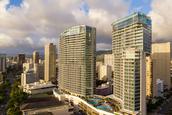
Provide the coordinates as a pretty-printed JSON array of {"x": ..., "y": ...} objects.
[
  {"x": 131, "y": 42},
  {"x": 77, "y": 60}
]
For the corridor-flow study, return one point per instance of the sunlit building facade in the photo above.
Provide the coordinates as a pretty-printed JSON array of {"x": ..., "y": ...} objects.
[
  {"x": 35, "y": 57},
  {"x": 149, "y": 77},
  {"x": 77, "y": 60},
  {"x": 50, "y": 62},
  {"x": 161, "y": 57},
  {"x": 131, "y": 42}
]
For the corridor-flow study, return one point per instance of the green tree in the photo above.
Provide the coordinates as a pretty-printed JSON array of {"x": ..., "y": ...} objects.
[{"x": 17, "y": 96}]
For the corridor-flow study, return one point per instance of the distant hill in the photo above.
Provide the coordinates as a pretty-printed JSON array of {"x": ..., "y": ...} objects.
[
  {"x": 100, "y": 55},
  {"x": 101, "y": 52}
]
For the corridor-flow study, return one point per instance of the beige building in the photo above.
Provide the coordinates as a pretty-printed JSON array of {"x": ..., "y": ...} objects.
[
  {"x": 27, "y": 66},
  {"x": 28, "y": 77},
  {"x": 149, "y": 77},
  {"x": 35, "y": 57},
  {"x": 32, "y": 72},
  {"x": 50, "y": 63},
  {"x": 105, "y": 72},
  {"x": 77, "y": 60},
  {"x": 39, "y": 87},
  {"x": 161, "y": 57},
  {"x": 39, "y": 70},
  {"x": 108, "y": 60},
  {"x": 131, "y": 40}
]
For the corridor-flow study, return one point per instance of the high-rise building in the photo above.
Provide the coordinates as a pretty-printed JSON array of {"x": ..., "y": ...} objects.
[
  {"x": 77, "y": 60},
  {"x": 149, "y": 77},
  {"x": 105, "y": 72},
  {"x": 3, "y": 62},
  {"x": 35, "y": 57},
  {"x": 1, "y": 78},
  {"x": 131, "y": 42},
  {"x": 108, "y": 60},
  {"x": 21, "y": 59},
  {"x": 50, "y": 63},
  {"x": 161, "y": 57}
]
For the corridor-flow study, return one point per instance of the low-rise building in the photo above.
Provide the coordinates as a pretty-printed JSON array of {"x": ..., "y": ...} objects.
[
  {"x": 39, "y": 87},
  {"x": 104, "y": 90},
  {"x": 44, "y": 106}
]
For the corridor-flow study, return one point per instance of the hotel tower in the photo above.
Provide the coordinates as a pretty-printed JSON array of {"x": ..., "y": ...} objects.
[
  {"x": 131, "y": 43},
  {"x": 77, "y": 60}
]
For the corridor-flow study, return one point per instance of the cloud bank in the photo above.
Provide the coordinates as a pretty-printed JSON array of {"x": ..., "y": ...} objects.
[
  {"x": 161, "y": 20},
  {"x": 34, "y": 23},
  {"x": 37, "y": 22}
]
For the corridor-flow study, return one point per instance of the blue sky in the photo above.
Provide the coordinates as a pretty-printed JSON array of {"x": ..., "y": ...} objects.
[
  {"x": 16, "y": 3},
  {"x": 136, "y": 5},
  {"x": 140, "y": 5}
]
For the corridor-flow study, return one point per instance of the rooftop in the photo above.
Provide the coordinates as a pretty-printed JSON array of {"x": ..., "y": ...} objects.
[
  {"x": 128, "y": 17},
  {"x": 41, "y": 102},
  {"x": 38, "y": 85},
  {"x": 75, "y": 30}
]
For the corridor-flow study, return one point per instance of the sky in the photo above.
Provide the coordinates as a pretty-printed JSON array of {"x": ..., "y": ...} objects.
[{"x": 27, "y": 25}]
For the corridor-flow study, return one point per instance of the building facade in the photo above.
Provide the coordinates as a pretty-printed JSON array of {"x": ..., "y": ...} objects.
[
  {"x": 108, "y": 60},
  {"x": 35, "y": 57},
  {"x": 105, "y": 72},
  {"x": 161, "y": 57},
  {"x": 131, "y": 42},
  {"x": 149, "y": 77},
  {"x": 50, "y": 63},
  {"x": 21, "y": 58},
  {"x": 77, "y": 60},
  {"x": 3, "y": 63},
  {"x": 1, "y": 78},
  {"x": 28, "y": 77}
]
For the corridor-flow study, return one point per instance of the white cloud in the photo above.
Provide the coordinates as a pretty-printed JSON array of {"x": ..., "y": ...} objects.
[
  {"x": 39, "y": 21},
  {"x": 6, "y": 41},
  {"x": 102, "y": 14},
  {"x": 161, "y": 19}
]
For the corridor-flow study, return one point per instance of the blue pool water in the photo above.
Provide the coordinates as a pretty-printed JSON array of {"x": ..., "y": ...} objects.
[
  {"x": 94, "y": 101},
  {"x": 104, "y": 107}
]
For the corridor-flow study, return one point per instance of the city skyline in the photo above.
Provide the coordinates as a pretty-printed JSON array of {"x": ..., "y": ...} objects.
[
  {"x": 25, "y": 30},
  {"x": 85, "y": 57}
]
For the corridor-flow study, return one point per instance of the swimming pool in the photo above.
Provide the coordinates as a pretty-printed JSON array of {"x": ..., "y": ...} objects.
[
  {"x": 94, "y": 101},
  {"x": 99, "y": 103}
]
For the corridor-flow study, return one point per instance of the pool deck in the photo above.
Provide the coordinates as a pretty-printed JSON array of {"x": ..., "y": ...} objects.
[{"x": 103, "y": 107}]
